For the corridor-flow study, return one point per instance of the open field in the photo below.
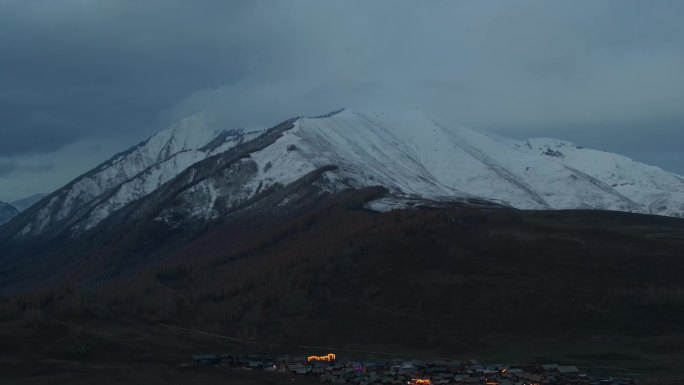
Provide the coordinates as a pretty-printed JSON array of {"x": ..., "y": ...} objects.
[
  {"x": 135, "y": 353},
  {"x": 117, "y": 353}
]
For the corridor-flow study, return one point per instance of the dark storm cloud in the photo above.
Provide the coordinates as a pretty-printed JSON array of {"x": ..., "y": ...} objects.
[
  {"x": 71, "y": 68},
  {"x": 488, "y": 64},
  {"x": 606, "y": 73}
]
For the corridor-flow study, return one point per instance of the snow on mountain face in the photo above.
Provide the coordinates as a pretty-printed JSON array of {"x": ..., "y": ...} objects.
[
  {"x": 413, "y": 155},
  {"x": 656, "y": 190},
  {"x": 131, "y": 175}
]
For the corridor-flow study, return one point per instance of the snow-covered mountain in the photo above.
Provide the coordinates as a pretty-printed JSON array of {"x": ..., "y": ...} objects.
[
  {"x": 7, "y": 212},
  {"x": 127, "y": 176},
  {"x": 416, "y": 156},
  {"x": 192, "y": 173}
]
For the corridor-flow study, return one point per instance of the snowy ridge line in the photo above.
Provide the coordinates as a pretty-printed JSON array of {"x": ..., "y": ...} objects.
[
  {"x": 404, "y": 153},
  {"x": 501, "y": 170},
  {"x": 101, "y": 199},
  {"x": 198, "y": 174},
  {"x": 160, "y": 152},
  {"x": 603, "y": 186}
]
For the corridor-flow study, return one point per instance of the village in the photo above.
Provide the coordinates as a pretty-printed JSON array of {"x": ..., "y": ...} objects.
[{"x": 330, "y": 368}]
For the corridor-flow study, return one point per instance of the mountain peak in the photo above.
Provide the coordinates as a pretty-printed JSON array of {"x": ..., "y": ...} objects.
[
  {"x": 410, "y": 153},
  {"x": 413, "y": 153},
  {"x": 191, "y": 132},
  {"x": 128, "y": 176}
]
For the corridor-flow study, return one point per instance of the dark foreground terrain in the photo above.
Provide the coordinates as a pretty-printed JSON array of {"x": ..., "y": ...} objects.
[
  {"x": 602, "y": 290},
  {"x": 113, "y": 353},
  {"x": 127, "y": 352}
]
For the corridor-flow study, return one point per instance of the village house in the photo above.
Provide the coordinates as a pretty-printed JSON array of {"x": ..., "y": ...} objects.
[
  {"x": 206, "y": 359},
  {"x": 329, "y": 368}
]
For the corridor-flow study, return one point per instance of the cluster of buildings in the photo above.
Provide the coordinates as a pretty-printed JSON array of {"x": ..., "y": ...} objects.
[{"x": 329, "y": 368}]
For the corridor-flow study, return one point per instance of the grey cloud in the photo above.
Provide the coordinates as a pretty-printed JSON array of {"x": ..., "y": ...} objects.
[
  {"x": 71, "y": 69},
  {"x": 516, "y": 63},
  {"x": 655, "y": 135},
  {"x": 74, "y": 70}
]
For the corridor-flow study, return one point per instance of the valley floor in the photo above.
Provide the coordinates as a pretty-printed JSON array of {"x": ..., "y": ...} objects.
[
  {"x": 126, "y": 352},
  {"x": 110, "y": 353}
]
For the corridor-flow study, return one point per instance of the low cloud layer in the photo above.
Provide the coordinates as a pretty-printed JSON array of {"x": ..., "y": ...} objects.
[
  {"x": 607, "y": 74},
  {"x": 9, "y": 169}
]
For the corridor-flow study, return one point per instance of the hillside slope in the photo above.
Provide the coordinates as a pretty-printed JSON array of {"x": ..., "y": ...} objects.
[{"x": 458, "y": 279}]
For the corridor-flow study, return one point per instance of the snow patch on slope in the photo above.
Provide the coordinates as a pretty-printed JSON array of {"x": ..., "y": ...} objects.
[
  {"x": 414, "y": 155},
  {"x": 654, "y": 189},
  {"x": 133, "y": 174}
]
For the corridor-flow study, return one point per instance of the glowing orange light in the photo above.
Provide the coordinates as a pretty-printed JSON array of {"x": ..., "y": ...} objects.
[
  {"x": 327, "y": 358},
  {"x": 420, "y": 381}
]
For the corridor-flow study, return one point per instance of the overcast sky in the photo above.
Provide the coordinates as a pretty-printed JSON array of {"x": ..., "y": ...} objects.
[{"x": 83, "y": 79}]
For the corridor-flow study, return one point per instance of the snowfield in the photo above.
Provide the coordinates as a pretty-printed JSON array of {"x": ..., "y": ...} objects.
[{"x": 415, "y": 156}]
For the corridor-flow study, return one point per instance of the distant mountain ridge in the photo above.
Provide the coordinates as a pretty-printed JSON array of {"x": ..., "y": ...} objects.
[
  {"x": 204, "y": 174},
  {"x": 24, "y": 203},
  {"x": 7, "y": 212},
  {"x": 10, "y": 210}
]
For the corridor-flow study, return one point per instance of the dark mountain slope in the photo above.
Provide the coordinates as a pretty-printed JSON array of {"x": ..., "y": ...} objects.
[
  {"x": 335, "y": 273},
  {"x": 143, "y": 229}
]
